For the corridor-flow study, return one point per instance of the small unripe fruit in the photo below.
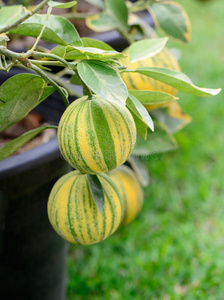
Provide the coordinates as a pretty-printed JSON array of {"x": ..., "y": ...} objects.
[
  {"x": 131, "y": 191},
  {"x": 135, "y": 81},
  {"x": 74, "y": 215},
  {"x": 95, "y": 135}
]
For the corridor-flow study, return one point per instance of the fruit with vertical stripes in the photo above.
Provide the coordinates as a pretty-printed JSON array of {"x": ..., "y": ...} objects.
[
  {"x": 131, "y": 191},
  {"x": 95, "y": 135},
  {"x": 135, "y": 81},
  {"x": 74, "y": 215}
]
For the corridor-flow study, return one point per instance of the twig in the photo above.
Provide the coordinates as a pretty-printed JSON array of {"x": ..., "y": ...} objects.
[
  {"x": 42, "y": 30},
  {"x": 62, "y": 82},
  {"x": 9, "y": 66},
  {"x": 23, "y": 57},
  {"x": 47, "y": 62},
  {"x": 11, "y": 54},
  {"x": 126, "y": 36},
  {"x": 52, "y": 82},
  {"x": 27, "y": 15},
  {"x": 70, "y": 65}
]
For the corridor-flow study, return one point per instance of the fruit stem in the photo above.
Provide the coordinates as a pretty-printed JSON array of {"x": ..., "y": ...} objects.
[{"x": 87, "y": 91}]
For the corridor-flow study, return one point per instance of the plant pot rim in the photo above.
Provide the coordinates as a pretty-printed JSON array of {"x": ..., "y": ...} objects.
[{"x": 32, "y": 158}]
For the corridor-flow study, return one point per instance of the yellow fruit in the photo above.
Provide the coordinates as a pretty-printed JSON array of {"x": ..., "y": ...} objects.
[
  {"x": 171, "y": 105},
  {"x": 173, "y": 116},
  {"x": 73, "y": 212},
  {"x": 131, "y": 191},
  {"x": 95, "y": 135},
  {"x": 135, "y": 81}
]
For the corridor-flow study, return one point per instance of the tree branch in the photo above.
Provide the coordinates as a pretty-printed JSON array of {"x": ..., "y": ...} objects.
[
  {"x": 23, "y": 57},
  {"x": 72, "y": 92},
  {"x": 29, "y": 14},
  {"x": 69, "y": 65}
]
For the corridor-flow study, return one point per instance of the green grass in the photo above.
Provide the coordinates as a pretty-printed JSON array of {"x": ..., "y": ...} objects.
[{"x": 175, "y": 248}]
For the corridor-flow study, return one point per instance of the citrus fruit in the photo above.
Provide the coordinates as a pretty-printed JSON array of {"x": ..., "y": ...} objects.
[
  {"x": 135, "y": 81},
  {"x": 131, "y": 191},
  {"x": 74, "y": 214},
  {"x": 95, "y": 135}
]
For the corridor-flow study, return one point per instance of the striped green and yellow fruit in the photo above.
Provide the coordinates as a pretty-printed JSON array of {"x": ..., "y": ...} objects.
[
  {"x": 131, "y": 191},
  {"x": 74, "y": 215},
  {"x": 135, "y": 81},
  {"x": 173, "y": 107},
  {"x": 95, "y": 135}
]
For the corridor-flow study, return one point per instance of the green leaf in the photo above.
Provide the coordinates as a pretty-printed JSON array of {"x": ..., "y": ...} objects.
[
  {"x": 59, "y": 51},
  {"x": 114, "y": 17},
  {"x": 172, "y": 19},
  {"x": 10, "y": 14},
  {"x": 140, "y": 168},
  {"x": 61, "y": 5},
  {"x": 96, "y": 191},
  {"x": 117, "y": 9},
  {"x": 78, "y": 53},
  {"x": 20, "y": 94},
  {"x": 146, "y": 48},
  {"x": 157, "y": 142},
  {"x": 67, "y": 52},
  {"x": 75, "y": 80},
  {"x": 97, "y": 3},
  {"x": 152, "y": 97},
  {"x": 172, "y": 116},
  {"x": 101, "y": 22},
  {"x": 17, "y": 143},
  {"x": 103, "y": 80},
  {"x": 88, "y": 42},
  {"x": 95, "y": 53},
  {"x": 178, "y": 80},
  {"x": 139, "y": 110},
  {"x": 143, "y": 28},
  {"x": 141, "y": 127},
  {"x": 58, "y": 30},
  {"x": 47, "y": 91}
]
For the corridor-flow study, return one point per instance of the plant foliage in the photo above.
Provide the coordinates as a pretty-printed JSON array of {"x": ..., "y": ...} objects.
[{"x": 96, "y": 66}]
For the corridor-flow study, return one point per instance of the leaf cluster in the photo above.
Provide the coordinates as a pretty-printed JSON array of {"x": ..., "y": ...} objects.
[{"x": 96, "y": 66}]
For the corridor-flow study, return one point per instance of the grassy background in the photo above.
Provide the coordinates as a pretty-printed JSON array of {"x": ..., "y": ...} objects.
[{"x": 175, "y": 248}]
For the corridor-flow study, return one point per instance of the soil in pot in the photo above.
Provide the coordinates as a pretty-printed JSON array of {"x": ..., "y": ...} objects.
[{"x": 31, "y": 121}]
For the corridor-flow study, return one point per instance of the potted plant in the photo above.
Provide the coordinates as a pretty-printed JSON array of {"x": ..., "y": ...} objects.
[{"x": 96, "y": 133}]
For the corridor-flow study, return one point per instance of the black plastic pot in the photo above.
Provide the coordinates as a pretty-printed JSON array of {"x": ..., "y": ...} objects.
[{"x": 32, "y": 255}]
